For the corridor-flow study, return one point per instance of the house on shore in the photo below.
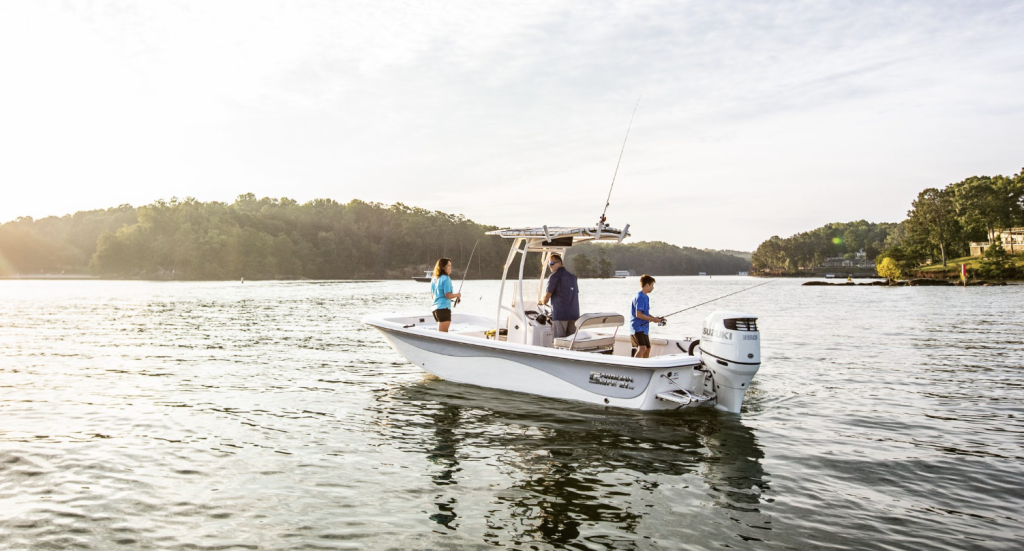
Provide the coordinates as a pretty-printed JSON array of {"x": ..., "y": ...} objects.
[
  {"x": 859, "y": 260},
  {"x": 1013, "y": 241}
]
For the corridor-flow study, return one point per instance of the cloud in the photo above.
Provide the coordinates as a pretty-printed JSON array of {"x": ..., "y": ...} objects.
[{"x": 512, "y": 113}]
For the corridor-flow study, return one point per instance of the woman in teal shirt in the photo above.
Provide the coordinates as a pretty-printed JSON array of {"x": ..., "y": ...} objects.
[{"x": 442, "y": 292}]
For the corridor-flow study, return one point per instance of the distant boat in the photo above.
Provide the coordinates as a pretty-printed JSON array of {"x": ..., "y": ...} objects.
[
  {"x": 743, "y": 273},
  {"x": 702, "y": 273},
  {"x": 623, "y": 273},
  {"x": 830, "y": 276},
  {"x": 427, "y": 276}
]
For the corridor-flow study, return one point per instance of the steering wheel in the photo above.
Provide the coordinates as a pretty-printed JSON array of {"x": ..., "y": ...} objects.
[{"x": 545, "y": 314}]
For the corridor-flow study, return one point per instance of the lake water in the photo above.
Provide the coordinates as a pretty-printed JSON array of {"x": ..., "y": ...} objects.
[{"x": 266, "y": 416}]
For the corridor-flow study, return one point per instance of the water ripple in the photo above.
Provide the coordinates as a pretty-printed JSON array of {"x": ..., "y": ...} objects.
[{"x": 265, "y": 416}]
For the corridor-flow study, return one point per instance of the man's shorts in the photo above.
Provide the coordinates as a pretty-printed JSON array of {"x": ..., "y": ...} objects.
[
  {"x": 640, "y": 339},
  {"x": 563, "y": 328},
  {"x": 443, "y": 314}
]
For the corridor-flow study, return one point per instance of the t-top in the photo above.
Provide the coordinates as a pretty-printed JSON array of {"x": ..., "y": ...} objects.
[
  {"x": 565, "y": 295},
  {"x": 642, "y": 303},
  {"x": 438, "y": 287}
]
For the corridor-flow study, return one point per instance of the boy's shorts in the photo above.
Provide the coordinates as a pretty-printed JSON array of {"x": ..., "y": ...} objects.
[
  {"x": 640, "y": 339},
  {"x": 442, "y": 315}
]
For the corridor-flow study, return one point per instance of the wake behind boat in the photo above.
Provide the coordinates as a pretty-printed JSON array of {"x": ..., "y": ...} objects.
[{"x": 516, "y": 350}]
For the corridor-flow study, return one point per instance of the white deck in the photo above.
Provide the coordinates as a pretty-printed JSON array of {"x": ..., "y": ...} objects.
[{"x": 468, "y": 327}]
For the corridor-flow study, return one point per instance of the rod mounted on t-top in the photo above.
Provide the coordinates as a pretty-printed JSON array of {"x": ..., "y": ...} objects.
[{"x": 601, "y": 222}]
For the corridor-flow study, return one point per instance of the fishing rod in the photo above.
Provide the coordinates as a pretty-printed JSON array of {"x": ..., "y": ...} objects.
[
  {"x": 468, "y": 264},
  {"x": 608, "y": 201},
  {"x": 719, "y": 298}
]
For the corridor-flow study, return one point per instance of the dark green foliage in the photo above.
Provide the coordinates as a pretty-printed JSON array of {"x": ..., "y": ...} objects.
[
  {"x": 55, "y": 245},
  {"x": 651, "y": 257},
  {"x": 281, "y": 239},
  {"x": 808, "y": 249},
  {"x": 582, "y": 266},
  {"x": 997, "y": 264},
  {"x": 933, "y": 224},
  {"x": 252, "y": 238},
  {"x": 940, "y": 225}
]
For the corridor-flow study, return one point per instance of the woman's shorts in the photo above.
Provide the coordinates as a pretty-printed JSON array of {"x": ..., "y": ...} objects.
[
  {"x": 443, "y": 314},
  {"x": 640, "y": 339}
]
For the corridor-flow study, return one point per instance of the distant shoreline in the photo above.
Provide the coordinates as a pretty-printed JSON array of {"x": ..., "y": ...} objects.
[
  {"x": 82, "y": 277},
  {"x": 53, "y": 276}
]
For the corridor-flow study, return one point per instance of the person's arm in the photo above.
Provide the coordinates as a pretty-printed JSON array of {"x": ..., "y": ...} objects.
[
  {"x": 645, "y": 316},
  {"x": 448, "y": 290},
  {"x": 552, "y": 285}
]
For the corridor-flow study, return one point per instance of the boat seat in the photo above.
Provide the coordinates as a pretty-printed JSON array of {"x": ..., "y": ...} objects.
[
  {"x": 592, "y": 342},
  {"x": 586, "y": 342}
]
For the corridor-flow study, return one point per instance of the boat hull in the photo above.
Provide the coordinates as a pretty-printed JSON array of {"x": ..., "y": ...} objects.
[{"x": 570, "y": 375}]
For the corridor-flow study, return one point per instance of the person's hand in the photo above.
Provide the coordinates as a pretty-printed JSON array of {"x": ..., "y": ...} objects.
[{"x": 458, "y": 295}]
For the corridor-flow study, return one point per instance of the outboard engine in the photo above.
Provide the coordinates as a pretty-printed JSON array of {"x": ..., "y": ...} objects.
[{"x": 730, "y": 349}]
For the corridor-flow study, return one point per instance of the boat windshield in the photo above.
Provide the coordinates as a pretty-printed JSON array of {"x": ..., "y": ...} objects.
[{"x": 530, "y": 291}]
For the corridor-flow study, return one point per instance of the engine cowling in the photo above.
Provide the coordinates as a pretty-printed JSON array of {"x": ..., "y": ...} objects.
[{"x": 730, "y": 346}]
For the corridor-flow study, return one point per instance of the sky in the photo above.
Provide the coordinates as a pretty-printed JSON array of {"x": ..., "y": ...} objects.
[{"x": 754, "y": 118}]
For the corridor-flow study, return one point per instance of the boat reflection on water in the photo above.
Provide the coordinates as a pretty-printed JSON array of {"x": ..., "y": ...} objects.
[{"x": 535, "y": 469}]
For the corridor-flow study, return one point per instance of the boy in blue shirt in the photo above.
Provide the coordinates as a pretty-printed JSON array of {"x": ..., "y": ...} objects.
[{"x": 641, "y": 318}]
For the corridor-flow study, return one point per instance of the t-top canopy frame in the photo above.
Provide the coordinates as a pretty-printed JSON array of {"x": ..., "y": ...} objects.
[
  {"x": 553, "y": 234},
  {"x": 544, "y": 240}
]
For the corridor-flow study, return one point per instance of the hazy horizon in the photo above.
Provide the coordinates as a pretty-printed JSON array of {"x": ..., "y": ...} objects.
[{"x": 755, "y": 120}]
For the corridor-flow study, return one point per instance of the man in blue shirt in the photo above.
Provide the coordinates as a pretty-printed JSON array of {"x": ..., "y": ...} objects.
[
  {"x": 564, "y": 294},
  {"x": 641, "y": 318}
]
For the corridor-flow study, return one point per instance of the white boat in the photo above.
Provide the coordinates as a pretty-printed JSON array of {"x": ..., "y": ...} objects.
[
  {"x": 516, "y": 350},
  {"x": 427, "y": 276}
]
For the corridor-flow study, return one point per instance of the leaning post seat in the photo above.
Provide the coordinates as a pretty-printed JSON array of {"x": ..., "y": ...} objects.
[{"x": 590, "y": 342}]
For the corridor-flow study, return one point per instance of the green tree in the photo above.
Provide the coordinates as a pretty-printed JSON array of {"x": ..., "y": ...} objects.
[
  {"x": 604, "y": 266},
  {"x": 996, "y": 262},
  {"x": 582, "y": 265},
  {"x": 933, "y": 222}
]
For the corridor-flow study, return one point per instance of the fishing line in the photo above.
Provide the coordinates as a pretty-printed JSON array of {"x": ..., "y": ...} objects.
[{"x": 720, "y": 298}]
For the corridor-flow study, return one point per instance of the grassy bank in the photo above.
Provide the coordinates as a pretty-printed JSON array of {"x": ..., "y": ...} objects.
[{"x": 952, "y": 267}]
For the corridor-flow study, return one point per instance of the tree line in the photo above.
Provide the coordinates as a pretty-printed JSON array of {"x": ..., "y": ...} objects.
[
  {"x": 268, "y": 238},
  {"x": 651, "y": 257},
  {"x": 804, "y": 251},
  {"x": 940, "y": 225}
]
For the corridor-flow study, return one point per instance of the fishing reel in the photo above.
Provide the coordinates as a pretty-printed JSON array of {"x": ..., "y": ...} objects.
[{"x": 663, "y": 322}]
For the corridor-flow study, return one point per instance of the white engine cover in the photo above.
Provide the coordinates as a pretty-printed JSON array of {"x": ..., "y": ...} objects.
[{"x": 730, "y": 346}]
